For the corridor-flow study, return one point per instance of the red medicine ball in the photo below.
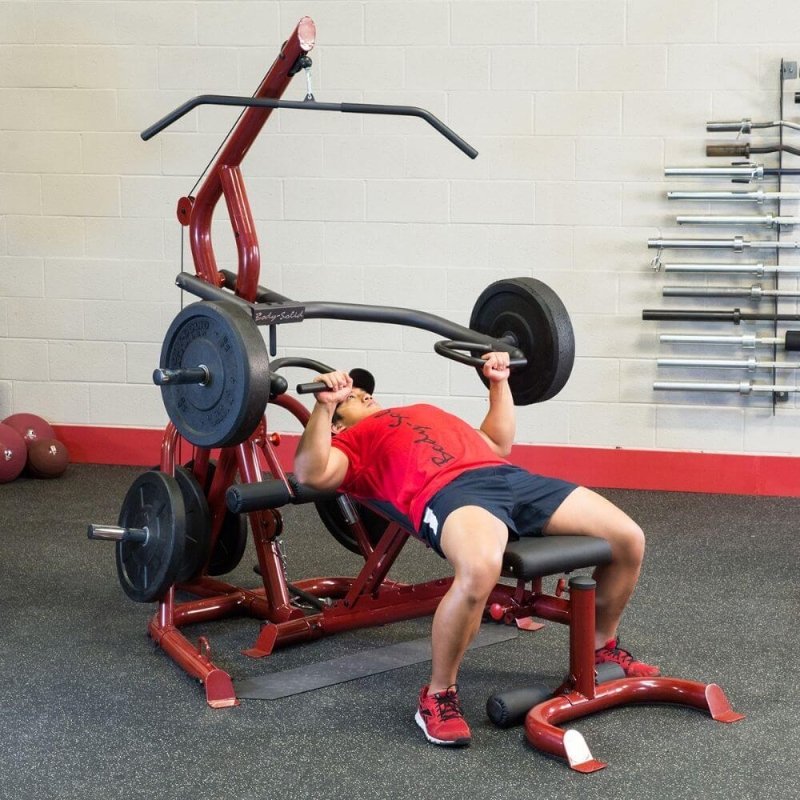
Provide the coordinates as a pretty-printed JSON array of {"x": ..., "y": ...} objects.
[
  {"x": 12, "y": 453},
  {"x": 47, "y": 458},
  {"x": 30, "y": 427}
]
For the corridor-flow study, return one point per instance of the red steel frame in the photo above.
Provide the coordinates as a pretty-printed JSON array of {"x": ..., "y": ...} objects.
[{"x": 369, "y": 598}]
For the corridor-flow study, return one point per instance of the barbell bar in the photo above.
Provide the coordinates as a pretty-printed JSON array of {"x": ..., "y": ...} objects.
[
  {"x": 790, "y": 341},
  {"x": 742, "y": 387},
  {"x": 753, "y": 292},
  {"x": 737, "y": 243},
  {"x": 758, "y": 196},
  {"x": 711, "y": 363},
  {"x": 767, "y": 220},
  {"x": 759, "y": 269},
  {"x": 738, "y": 172},
  {"x": 745, "y": 126}
]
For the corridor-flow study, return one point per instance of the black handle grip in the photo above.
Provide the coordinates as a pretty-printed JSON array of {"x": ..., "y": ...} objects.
[
  {"x": 310, "y": 388},
  {"x": 452, "y": 349}
]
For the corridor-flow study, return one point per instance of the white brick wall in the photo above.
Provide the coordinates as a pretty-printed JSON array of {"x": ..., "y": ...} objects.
[{"x": 575, "y": 106}]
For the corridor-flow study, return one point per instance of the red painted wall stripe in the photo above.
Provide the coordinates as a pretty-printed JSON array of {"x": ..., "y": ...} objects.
[{"x": 684, "y": 471}]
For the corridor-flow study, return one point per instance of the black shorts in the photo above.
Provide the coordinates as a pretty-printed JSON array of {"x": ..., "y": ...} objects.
[{"x": 522, "y": 500}]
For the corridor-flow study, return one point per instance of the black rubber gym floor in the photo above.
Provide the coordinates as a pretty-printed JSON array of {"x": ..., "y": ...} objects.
[{"x": 90, "y": 708}]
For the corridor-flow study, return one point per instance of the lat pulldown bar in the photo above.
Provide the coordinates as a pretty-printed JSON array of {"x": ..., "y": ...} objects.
[{"x": 308, "y": 105}]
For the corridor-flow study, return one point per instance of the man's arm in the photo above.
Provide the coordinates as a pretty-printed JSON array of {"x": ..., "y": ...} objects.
[
  {"x": 500, "y": 424},
  {"x": 316, "y": 463}
]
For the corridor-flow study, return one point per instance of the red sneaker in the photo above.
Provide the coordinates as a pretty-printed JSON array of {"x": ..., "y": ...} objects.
[
  {"x": 612, "y": 652},
  {"x": 440, "y": 717}
]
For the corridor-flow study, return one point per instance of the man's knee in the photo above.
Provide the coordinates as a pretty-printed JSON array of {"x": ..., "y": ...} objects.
[
  {"x": 629, "y": 542},
  {"x": 477, "y": 577}
]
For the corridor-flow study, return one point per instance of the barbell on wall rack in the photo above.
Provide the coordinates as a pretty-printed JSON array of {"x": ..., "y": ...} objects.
[
  {"x": 767, "y": 220},
  {"x": 736, "y": 316},
  {"x": 738, "y": 172},
  {"x": 750, "y": 364},
  {"x": 745, "y": 126},
  {"x": 742, "y": 387},
  {"x": 790, "y": 340},
  {"x": 744, "y": 149},
  {"x": 759, "y": 269},
  {"x": 753, "y": 292},
  {"x": 758, "y": 196},
  {"x": 738, "y": 244}
]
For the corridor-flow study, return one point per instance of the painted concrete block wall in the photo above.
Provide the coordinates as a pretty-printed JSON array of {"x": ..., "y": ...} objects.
[{"x": 575, "y": 107}]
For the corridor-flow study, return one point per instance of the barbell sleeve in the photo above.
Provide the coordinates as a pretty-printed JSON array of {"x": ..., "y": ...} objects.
[{"x": 113, "y": 533}]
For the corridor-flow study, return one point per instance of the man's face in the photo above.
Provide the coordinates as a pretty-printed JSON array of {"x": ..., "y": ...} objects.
[{"x": 355, "y": 407}]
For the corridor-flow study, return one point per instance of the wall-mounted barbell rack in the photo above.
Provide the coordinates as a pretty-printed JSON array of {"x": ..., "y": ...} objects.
[{"x": 774, "y": 222}]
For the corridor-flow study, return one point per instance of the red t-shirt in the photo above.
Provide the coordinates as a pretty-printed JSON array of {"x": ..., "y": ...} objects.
[{"x": 405, "y": 455}]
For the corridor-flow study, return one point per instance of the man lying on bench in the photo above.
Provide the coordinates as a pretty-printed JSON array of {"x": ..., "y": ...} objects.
[{"x": 463, "y": 497}]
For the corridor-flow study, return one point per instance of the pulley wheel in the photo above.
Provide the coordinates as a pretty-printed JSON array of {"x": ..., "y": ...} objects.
[
  {"x": 224, "y": 409},
  {"x": 530, "y": 314},
  {"x": 146, "y": 570}
]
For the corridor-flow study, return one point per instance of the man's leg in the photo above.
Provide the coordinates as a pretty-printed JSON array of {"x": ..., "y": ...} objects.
[
  {"x": 473, "y": 541},
  {"x": 587, "y": 513}
]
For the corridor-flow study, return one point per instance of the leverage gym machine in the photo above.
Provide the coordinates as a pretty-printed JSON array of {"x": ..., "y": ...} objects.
[{"x": 184, "y": 525}]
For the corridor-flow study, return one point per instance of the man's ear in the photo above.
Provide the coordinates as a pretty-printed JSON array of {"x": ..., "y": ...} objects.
[{"x": 336, "y": 427}]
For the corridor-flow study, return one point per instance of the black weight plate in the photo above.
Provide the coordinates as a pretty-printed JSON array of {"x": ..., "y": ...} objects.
[
  {"x": 232, "y": 540},
  {"x": 198, "y": 525},
  {"x": 231, "y": 544},
  {"x": 332, "y": 517},
  {"x": 147, "y": 569},
  {"x": 227, "y": 409},
  {"x": 534, "y": 315}
]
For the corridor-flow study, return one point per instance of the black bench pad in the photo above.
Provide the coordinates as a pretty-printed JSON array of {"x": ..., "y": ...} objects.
[{"x": 536, "y": 556}]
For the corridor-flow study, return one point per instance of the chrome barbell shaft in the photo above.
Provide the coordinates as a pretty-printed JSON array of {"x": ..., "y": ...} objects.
[
  {"x": 754, "y": 292},
  {"x": 768, "y": 220},
  {"x": 746, "y": 340},
  {"x": 742, "y": 387},
  {"x": 759, "y": 269},
  {"x": 731, "y": 363},
  {"x": 745, "y": 126},
  {"x": 738, "y": 244},
  {"x": 753, "y": 197}
]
